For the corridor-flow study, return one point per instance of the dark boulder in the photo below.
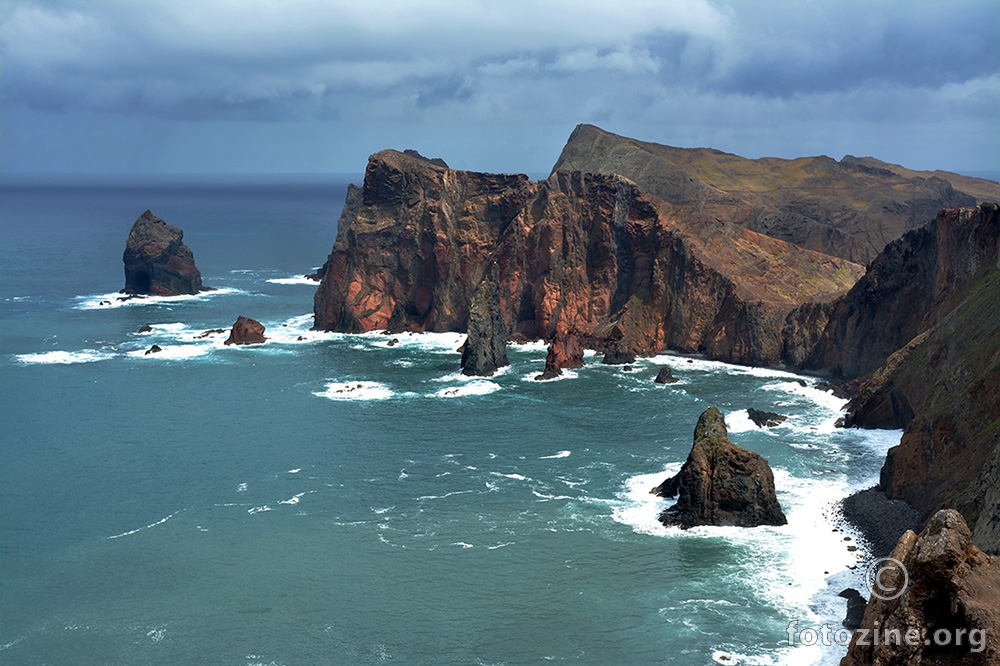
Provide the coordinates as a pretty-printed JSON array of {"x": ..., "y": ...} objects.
[
  {"x": 157, "y": 261},
  {"x": 765, "y": 419},
  {"x": 145, "y": 328},
  {"x": 855, "y": 608},
  {"x": 246, "y": 331},
  {"x": 721, "y": 483},
  {"x": 619, "y": 354},
  {"x": 153, "y": 350},
  {"x": 485, "y": 348},
  {"x": 665, "y": 376}
]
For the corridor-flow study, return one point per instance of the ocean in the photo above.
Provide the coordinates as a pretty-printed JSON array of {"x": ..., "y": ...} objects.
[{"x": 333, "y": 499}]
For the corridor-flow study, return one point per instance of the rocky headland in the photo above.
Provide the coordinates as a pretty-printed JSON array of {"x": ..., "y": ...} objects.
[
  {"x": 720, "y": 483},
  {"x": 634, "y": 248},
  {"x": 157, "y": 262},
  {"x": 941, "y": 608}
]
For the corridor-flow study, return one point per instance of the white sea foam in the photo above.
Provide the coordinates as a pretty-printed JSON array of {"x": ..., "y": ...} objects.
[
  {"x": 295, "y": 471},
  {"x": 475, "y": 387},
  {"x": 561, "y": 454},
  {"x": 64, "y": 357},
  {"x": 117, "y": 299},
  {"x": 173, "y": 352},
  {"x": 640, "y": 509},
  {"x": 292, "y": 500},
  {"x": 359, "y": 390},
  {"x": 146, "y": 527},
  {"x": 436, "y": 343},
  {"x": 565, "y": 374},
  {"x": 516, "y": 477},
  {"x": 259, "y": 509},
  {"x": 296, "y": 279},
  {"x": 531, "y": 346},
  {"x": 462, "y": 544}
]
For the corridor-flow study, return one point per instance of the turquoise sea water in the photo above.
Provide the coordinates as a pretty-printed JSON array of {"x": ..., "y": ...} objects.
[{"x": 328, "y": 498}]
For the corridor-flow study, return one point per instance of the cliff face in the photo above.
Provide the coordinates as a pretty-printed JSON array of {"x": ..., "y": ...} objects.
[
  {"x": 849, "y": 209},
  {"x": 936, "y": 289},
  {"x": 909, "y": 286},
  {"x": 591, "y": 254},
  {"x": 945, "y": 611},
  {"x": 157, "y": 261}
]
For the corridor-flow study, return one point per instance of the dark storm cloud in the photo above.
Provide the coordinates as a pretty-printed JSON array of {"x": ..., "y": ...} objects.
[{"x": 732, "y": 74}]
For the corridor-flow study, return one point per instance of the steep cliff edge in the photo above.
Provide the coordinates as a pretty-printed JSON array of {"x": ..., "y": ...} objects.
[
  {"x": 849, "y": 209},
  {"x": 587, "y": 253},
  {"x": 913, "y": 283},
  {"x": 924, "y": 321}
]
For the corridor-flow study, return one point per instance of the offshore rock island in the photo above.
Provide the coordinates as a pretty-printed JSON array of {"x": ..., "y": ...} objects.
[
  {"x": 631, "y": 247},
  {"x": 157, "y": 262}
]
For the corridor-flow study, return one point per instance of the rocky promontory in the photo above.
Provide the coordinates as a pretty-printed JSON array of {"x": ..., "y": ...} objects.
[
  {"x": 941, "y": 607},
  {"x": 721, "y": 483},
  {"x": 157, "y": 262},
  {"x": 577, "y": 252}
]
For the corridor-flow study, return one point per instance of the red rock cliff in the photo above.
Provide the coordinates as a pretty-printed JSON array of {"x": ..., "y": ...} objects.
[{"x": 578, "y": 252}]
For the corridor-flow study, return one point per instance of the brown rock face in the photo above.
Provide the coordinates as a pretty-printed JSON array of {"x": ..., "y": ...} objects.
[
  {"x": 566, "y": 351},
  {"x": 951, "y": 589},
  {"x": 156, "y": 260},
  {"x": 847, "y": 209},
  {"x": 577, "y": 252},
  {"x": 914, "y": 282},
  {"x": 246, "y": 331},
  {"x": 721, "y": 483},
  {"x": 940, "y": 384}
]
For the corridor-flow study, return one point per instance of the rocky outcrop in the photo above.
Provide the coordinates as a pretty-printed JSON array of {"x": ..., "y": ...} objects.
[
  {"x": 157, "y": 261},
  {"x": 577, "y": 252},
  {"x": 765, "y": 419},
  {"x": 721, "y": 483},
  {"x": 246, "y": 331},
  {"x": 619, "y": 354},
  {"x": 941, "y": 608},
  {"x": 665, "y": 376},
  {"x": 849, "y": 209},
  {"x": 485, "y": 348},
  {"x": 940, "y": 382},
  {"x": 856, "y": 605},
  {"x": 566, "y": 351}
]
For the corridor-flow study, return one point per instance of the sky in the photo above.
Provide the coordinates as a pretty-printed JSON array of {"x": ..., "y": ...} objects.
[{"x": 310, "y": 86}]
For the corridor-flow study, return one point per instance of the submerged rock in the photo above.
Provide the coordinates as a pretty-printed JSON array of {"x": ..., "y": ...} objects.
[
  {"x": 153, "y": 350},
  {"x": 246, "y": 331},
  {"x": 157, "y": 261},
  {"x": 721, "y": 483},
  {"x": 485, "y": 348}
]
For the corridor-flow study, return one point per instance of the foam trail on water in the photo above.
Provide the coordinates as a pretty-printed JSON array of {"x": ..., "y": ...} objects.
[
  {"x": 64, "y": 357},
  {"x": 139, "y": 529},
  {"x": 561, "y": 454},
  {"x": 477, "y": 387},
  {"x": 297, "y": 279},
  {"x": 117, "y": 299},
  {"x": 361, "y": 390}
]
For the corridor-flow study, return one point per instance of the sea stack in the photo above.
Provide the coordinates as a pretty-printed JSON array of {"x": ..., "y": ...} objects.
[
  {"x": 246, "y": 331},
  {"x": 157, "y": 262},
  {"x": 721, "y": 483},
  {"x": 566, "y": 351},
  {"x": 485, "y": 348}
]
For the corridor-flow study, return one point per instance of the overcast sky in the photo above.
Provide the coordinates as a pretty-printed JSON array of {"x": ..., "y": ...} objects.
[{"x": 172, "y": 86}]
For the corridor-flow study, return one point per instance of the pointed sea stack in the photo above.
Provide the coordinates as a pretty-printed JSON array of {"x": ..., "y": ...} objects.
[
  {"x": 721, "y": 483},
  {"x": 485, "y": 348},
  {"x": 156, "y": 260}
]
